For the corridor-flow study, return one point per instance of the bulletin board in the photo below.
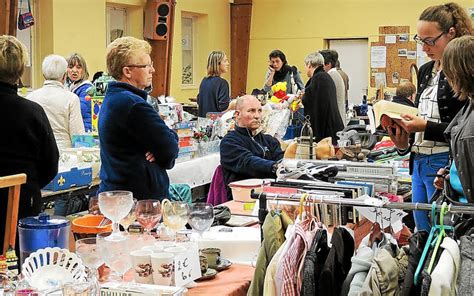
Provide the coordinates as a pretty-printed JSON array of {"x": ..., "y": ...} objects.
[{"x": 400, "y": 55}]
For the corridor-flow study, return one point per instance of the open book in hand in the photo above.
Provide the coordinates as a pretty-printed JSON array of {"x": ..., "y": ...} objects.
[{"x": 382, "y": 113}]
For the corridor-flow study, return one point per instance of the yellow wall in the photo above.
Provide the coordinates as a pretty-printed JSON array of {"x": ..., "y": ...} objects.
[
  {"x": 67, "y": 26},
  {"x": 213, "y": 27},
  {"x": 75, "y": 26},
  {"x": 62, "y": 32},
  {"x": 300, "y": 27},
  {"x": 297, "y": 27}
]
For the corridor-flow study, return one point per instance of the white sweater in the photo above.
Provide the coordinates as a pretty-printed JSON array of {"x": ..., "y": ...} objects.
[
  {"x": 340, "y": 93},
  {"x": 63, "y": 110}
]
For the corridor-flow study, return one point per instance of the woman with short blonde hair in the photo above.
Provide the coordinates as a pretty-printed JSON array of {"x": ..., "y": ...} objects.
[
  {"x": 136, "y": 146},
  {"x": 13, "y": 58},
  {"x": 213, "y": 63},
  {"x": 120, "y": 52},
  {"x": 214, "y": 90},
  {"x": 28, "y": 146}
]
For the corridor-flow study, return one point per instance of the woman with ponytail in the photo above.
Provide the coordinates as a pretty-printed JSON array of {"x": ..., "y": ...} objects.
[{"x": 435, "y": 100}]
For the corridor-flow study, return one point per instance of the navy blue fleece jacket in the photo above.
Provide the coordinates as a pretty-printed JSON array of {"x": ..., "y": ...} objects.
[
  {"x": 213, "y": 95},
  {"x": 128, "y": 128},
  {"x": 246, "y": 157}
]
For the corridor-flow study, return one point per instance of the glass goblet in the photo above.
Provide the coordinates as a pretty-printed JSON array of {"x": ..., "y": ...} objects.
[
  {"x": 87, "y": 250},
  {"x": 201, "y": 216},
  {"x": 131, "y": 216},
  {"x": 115, "y": 205},
  {"x": 175, "y": 215},
  {"x": 115, "y": 251},
  {"x": 148, "y": 213}
]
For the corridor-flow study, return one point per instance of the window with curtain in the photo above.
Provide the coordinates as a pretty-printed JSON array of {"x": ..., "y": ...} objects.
[
  {"x": 188, "y": 52},
  {"x": 116, "y": 23}
]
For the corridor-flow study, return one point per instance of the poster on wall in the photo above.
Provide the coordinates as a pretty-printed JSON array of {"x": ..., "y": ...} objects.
[
  {"x": 402, "y": 52},
  {"x": 403, "y": 38},
  {"x": 380, "y": 79},
  {"x": 411, "y": 54},
  {"x": 391, "y": 39},
  {"x": 378, "y": 56}
]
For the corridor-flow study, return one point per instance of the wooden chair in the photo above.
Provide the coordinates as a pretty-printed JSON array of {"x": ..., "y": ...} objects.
[{"x": 13, "y": 182}]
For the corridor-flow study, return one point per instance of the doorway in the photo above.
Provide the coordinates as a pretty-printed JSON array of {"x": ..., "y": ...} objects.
[{"x": 353, "y": 56}]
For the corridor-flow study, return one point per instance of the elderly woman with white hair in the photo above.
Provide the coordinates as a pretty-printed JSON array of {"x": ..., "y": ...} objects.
[
  {"x": 28, "y": 144},
  {"x": 130, "y": 129},
  {"x": 61, "y": 106},
  {"x": 320, "y": 99}
]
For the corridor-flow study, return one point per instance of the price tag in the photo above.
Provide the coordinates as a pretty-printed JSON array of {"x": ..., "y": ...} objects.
[
  {"x": 186, "y": 265},
  {"x": 384, "y": 217}
]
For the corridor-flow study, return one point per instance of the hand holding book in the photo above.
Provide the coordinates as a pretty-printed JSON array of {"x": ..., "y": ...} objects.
[
  {"x": 398, "y": 135},
  {"x": 412, "y": 123}
]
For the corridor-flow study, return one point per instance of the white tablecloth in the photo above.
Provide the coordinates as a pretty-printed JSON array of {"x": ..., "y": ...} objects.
[{"x": 195, "y": 172}]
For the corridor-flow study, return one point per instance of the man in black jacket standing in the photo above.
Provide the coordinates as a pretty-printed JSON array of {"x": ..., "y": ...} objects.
[{"x": 245, "y": 152}]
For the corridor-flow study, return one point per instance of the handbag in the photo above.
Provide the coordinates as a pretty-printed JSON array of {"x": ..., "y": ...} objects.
[{"x": 25, "y": 19}]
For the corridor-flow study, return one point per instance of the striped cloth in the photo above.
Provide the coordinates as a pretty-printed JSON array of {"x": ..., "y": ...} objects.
[{"x": 294, "y": 257}]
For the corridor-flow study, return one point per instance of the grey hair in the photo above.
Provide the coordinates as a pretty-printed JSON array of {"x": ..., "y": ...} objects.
[
  {"x": 314, "y": 59},
  {"x": 54, "y": 67},
  {"x": 241, "y": 101}
]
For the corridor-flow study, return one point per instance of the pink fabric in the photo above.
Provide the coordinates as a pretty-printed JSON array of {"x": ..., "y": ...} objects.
[
  {"x": 292, "y": 259},
  {"x": 217, "y": 193}
]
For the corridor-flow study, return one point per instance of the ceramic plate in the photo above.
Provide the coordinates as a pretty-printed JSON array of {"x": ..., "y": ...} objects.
[
  {"x": 225, "y": 264},
  {"x": 210, "y": 274}
]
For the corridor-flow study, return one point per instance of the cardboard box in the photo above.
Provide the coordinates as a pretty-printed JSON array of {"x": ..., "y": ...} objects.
[
  {"x": 185, "y": 142},
  {"x": 184, "y": 132},
  {"x": 72, "y": 178}
]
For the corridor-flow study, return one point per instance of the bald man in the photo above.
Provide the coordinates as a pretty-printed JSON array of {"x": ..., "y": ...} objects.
[{"x": 245, "y": 153}]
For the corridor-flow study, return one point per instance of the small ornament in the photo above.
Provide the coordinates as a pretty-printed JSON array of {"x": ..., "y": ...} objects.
[{"x": 12, "y": 260}]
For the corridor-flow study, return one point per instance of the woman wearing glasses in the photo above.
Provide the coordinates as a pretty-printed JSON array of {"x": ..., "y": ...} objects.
[
  {"x": 130, "y": 129},
  {"x": 437, "y": 106}
]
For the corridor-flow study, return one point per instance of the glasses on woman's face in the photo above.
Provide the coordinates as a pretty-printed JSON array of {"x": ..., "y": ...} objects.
[
  {"x": 428, "y": 40},
  {"x": 150, "y": 65}
]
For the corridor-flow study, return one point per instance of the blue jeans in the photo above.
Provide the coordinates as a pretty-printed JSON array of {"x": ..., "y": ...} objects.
[{"x": 422, "y": 183}]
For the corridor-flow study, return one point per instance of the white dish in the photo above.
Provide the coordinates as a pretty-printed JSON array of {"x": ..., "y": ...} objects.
[{"x": 51, "y": 267}]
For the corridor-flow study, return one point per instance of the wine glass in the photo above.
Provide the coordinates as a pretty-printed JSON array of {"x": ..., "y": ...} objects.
[
  {"x": 87, "y": 250},
  {"x": 175, "y": 215},
  {"x": 148, "y": 213},
  {"x": 114, "y": 249},
  {"x": 131, "y": 216},
  {"x": 115, "y": 205},
  {"x": 201, "y": 216}
]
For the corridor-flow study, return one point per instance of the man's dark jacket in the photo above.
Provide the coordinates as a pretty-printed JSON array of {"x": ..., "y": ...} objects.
[
  {"x": 129, "y": 128},
  {"x": 244, "y": 156}
]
